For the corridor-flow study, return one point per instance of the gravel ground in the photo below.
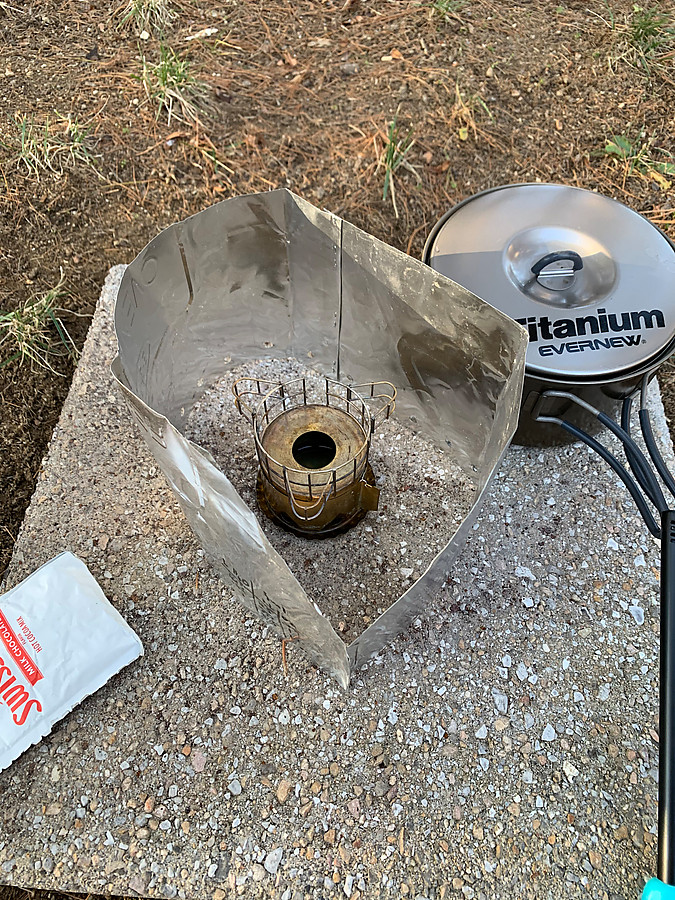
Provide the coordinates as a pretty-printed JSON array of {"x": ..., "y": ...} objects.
[
  {"x": 356, "y": 576},
  {"x": 505, "y": 746}
]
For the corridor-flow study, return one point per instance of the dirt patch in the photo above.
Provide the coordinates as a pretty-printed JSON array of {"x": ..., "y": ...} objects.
[{"x": 307, "y": 95}]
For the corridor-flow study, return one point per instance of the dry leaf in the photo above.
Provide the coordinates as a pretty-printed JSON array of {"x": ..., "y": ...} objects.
[{"x": 660, "y": 179}]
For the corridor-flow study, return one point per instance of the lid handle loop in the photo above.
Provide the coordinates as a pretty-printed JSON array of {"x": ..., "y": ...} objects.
[{"x": 558, "y": 256}]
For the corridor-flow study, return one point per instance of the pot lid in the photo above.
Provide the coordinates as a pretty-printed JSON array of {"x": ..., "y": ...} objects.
[{"x": 591, "y": 280}]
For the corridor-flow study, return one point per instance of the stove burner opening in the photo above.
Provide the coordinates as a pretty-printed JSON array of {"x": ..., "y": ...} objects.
[{"x": 314, "y": 450}]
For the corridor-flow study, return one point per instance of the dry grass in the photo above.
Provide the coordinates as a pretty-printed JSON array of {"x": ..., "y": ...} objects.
[
  {"x": 639, "y": 156},
  {"x": 644, "y": 36},
  {"x": 396, "y": 147},
  {"x": 49, "y": 146},
  {"x": 151, "y": 16},
  {"x": 172, "y": 89},
  {"x": 35, "y": 333}
]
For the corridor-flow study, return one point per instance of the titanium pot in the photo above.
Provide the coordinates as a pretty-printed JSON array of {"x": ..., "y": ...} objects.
[{"x": 592, "y": 281}]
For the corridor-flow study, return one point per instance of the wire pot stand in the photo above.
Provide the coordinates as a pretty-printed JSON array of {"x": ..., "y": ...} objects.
[
  {"x": 312, "y": 438},
  {"x": 659, "y": 517}
]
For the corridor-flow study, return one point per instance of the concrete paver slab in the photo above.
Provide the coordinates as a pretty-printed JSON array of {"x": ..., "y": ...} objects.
[{"x": 504, "y": 747}]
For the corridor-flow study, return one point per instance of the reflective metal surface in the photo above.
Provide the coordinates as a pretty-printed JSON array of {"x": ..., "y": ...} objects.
[
  {"x": 269, "y": 275},
  {"x": 592, "y": 280}
]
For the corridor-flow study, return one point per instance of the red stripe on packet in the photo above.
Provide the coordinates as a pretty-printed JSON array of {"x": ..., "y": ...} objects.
[{"x": 17, "y": 652}]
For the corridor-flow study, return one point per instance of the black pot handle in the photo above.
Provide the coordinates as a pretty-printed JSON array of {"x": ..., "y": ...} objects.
[
  {"x": 666, "y": 857},
  {"x": 557, "y": 256}
]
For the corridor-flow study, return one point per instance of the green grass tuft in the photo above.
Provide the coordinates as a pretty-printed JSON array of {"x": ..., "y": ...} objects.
[
  {"x": 640, "y": 156},
  {"x": 449, "y": 8},
  {"x": 51, "y": 147},
  {"x": 171, "y": 87},
  {"x": 396, "y": 148},
  {"x": 650, "y": 32},
  {"x": 153, "y": 16},
  {"x": 35, "y": 333},
  {"x": 645, "y": 38}
]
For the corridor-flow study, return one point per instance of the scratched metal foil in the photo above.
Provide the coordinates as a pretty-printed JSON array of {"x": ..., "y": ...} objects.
[{"x": 270, "y": 275}]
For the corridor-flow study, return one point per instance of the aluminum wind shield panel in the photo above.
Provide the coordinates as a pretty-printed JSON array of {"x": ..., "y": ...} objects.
[{"x": 269, "y": 275}]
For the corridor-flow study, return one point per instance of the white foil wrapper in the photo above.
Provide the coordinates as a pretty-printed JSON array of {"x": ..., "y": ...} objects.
[{"x": 60, "y": 640}]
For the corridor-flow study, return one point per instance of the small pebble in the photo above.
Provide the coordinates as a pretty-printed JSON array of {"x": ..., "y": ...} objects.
[
  {"x": 234, "y": 787},
  {"x": 549, "y": 733},
  {"x": 283, "y": 790},
  {"x": 638, "y": 614},
  {"x": 273, "y": 859}
]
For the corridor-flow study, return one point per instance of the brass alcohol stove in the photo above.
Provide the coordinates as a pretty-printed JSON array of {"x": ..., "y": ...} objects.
[{"x": 312, "y": 438}]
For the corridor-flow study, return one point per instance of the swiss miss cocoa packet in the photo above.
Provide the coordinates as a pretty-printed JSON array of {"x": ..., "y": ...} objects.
[{"x": 60, "y": 640}]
